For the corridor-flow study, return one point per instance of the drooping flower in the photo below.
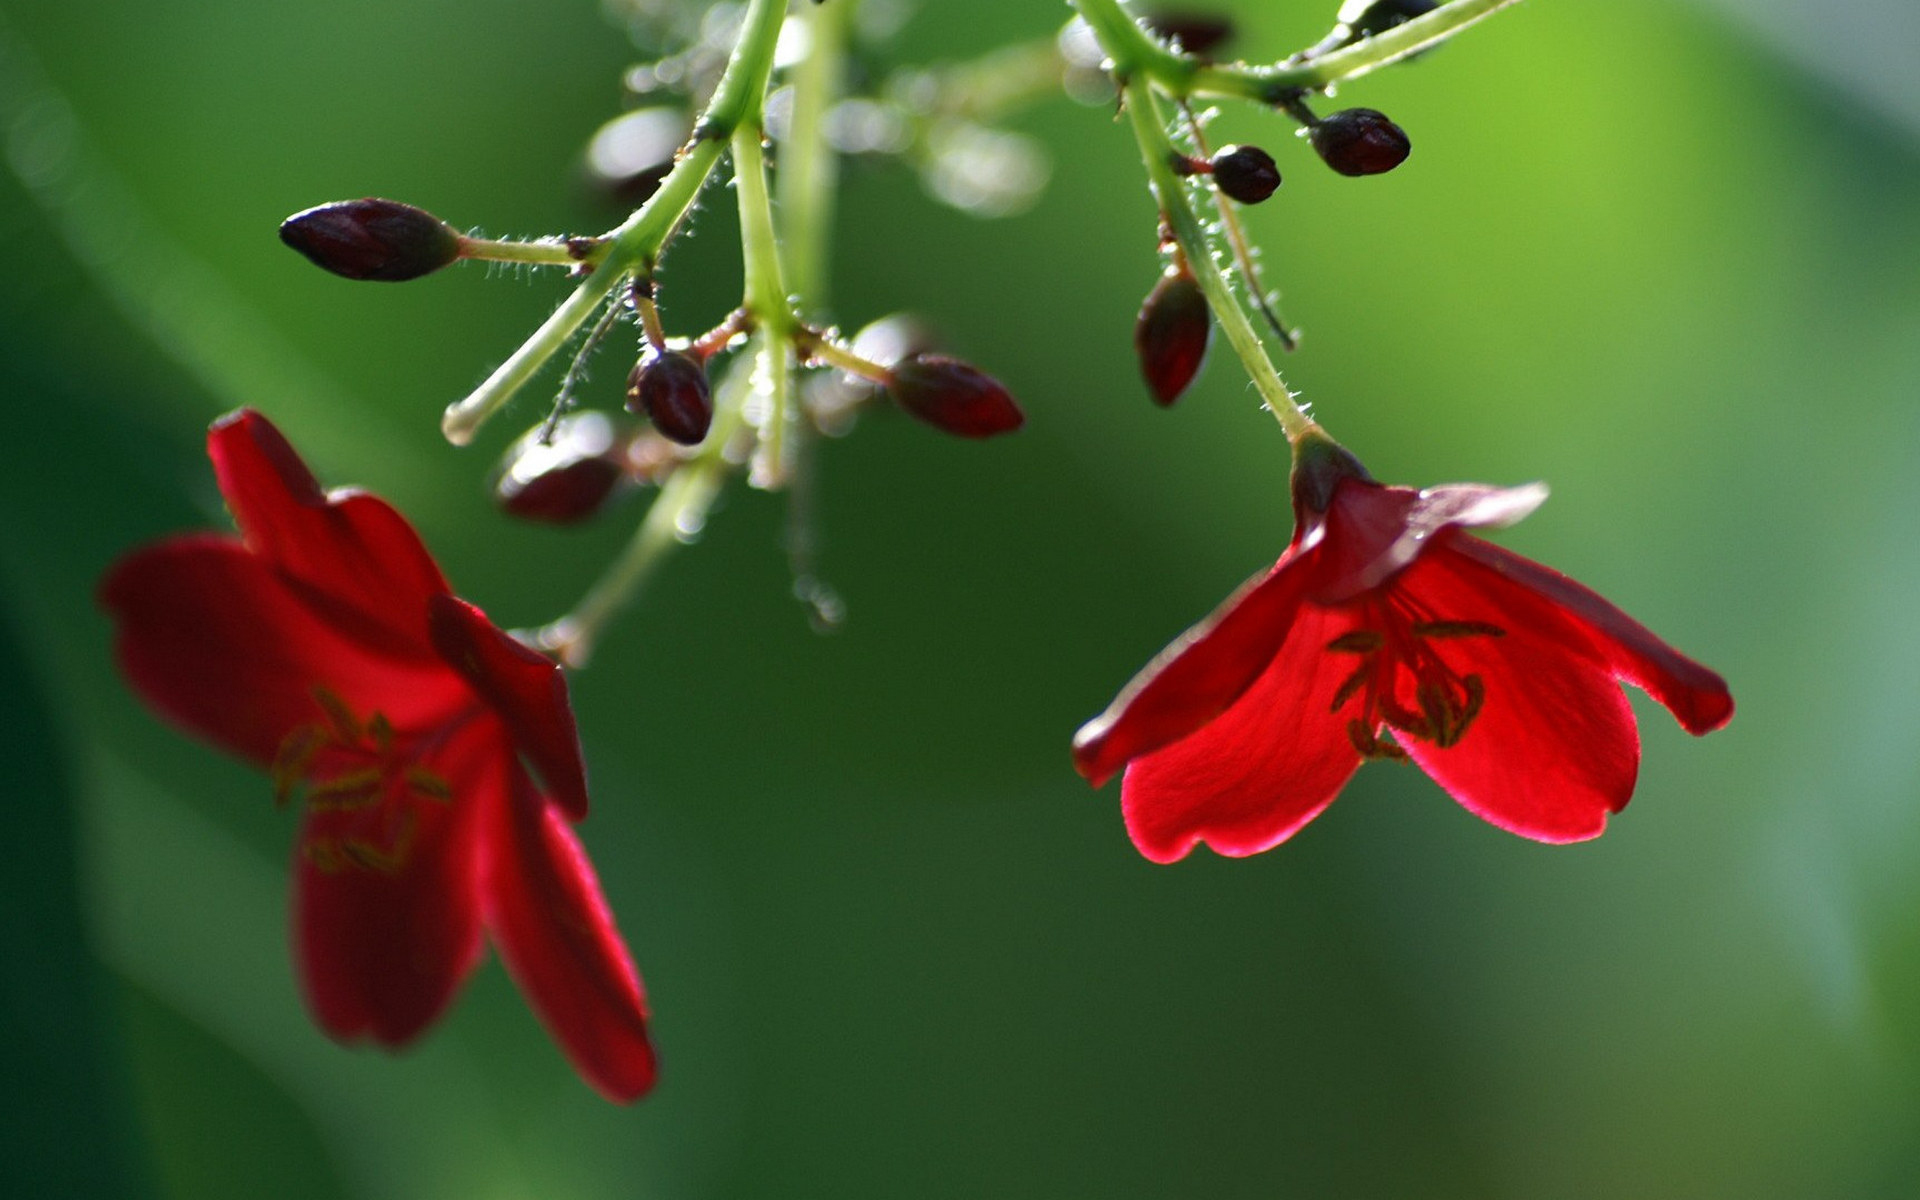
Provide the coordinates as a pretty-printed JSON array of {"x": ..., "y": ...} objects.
[
  {"x": 324, "y": 645},
  {"x": 1388, "y": 631}
]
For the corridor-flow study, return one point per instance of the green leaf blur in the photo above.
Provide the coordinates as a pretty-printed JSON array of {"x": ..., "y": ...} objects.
[{"x": 894, "y": 946}]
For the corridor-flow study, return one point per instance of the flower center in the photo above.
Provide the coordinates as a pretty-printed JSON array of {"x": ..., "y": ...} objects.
[
  {"x": 363, "y": 788},
  {"x": 1402, "y": 684}
]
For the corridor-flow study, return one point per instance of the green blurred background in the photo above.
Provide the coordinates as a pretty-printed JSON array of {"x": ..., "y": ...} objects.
[{"x": 1665, "y": 256}]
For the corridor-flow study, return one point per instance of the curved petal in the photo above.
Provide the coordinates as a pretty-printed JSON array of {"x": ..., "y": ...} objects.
[
  {"x": 348, "y": 546},
  {"x": 558, "y": 939},
  {"x": 382, "y": 952},
  {"x": 1697, "y": 697},
  {"x": 1372, "y": 532},
  {"x": 1553, "y": 750},
  {"x": 216, "y": 641},
  {"x": 1200, "y": 675},
  {"x": 1254, "y": 775},
  {"x": 526, "y": 688}
]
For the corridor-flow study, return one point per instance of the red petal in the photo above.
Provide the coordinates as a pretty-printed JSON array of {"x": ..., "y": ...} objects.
[
  {"x": 1199, "y": 676},
  {"x": 546, "y": 914},
  {"x": 1372, "y": 532},
  {"x": 381, "y": 955},
  {"x": 1554, "y": 749},
  {"x": 1696, "y": 697},
  {"x": 350, "y": 547},
  {"x": 526, "y": 688},
  {"x": 1254, "y": 775},
  {"x": 216, "y": 641}
]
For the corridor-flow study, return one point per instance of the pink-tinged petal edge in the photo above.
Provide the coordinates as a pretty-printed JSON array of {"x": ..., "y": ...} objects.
[
  {"x": 213, "y": 639},
  {"x": 558, "y": 940},
  {"x": 349, "y": 547},
  {"x": 1696, "y": 696},
  {"x": 1198, "y": 676},
  {"x": 1253, "y": 776},
  {"x": 525, "y": 688},
  {"x": 1372, "y": 532},
  {"x": 380, "y": 955},
  {"x": 1554, "y": 749}
]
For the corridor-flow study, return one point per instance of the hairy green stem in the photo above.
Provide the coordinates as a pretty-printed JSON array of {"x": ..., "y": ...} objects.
[
  {"x": 766, "y": 302},
  {"x": 1157, "y": 149},
  {"x": 635, "y": 246},
  {"x": 1137, "y": 53},
  {"x": 541, "y": 252},
  {"x": 1272, "y": 84}
]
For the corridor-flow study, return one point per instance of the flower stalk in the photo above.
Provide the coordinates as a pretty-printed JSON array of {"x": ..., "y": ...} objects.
[
  {"x": 635, "y": 245},
  {"x": 1137, "y": 53},
  {"x": 1157, "y": 150}
]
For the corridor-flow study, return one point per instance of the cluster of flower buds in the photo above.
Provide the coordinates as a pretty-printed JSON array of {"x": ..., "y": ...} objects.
[{"x": 564, "y": 470}]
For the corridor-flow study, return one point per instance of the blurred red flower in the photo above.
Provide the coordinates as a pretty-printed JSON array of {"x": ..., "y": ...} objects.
[
  {"x": 324, "y": 645},
  {"x": 1387, "y": 631}
]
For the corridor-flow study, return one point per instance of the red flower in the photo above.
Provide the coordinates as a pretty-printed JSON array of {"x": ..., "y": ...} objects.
[
  {"x": 1387, "y": 631},
  {"x": 324, "y": 645}
]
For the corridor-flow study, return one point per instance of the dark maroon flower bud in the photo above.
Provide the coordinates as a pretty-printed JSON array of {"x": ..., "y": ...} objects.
[
  {"x": 670, "y": 389},
  {"x": 1171, "y": 334},
  {"x": 562, "y": 481},
  {"x": 1382, "y": 15},
  {"x": 1197, "y": 33},
  {"x": 1360, "y": 141},
  {"x": 382, "y": 240},
  {"x": 954, "y": 396},
  {"x": 1245, "y": 173}
]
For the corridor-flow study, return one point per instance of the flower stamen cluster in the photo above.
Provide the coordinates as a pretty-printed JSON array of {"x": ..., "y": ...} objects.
[{"x": 1393, "y": 644}]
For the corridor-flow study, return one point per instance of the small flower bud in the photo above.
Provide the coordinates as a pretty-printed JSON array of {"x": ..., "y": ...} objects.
[
  {"x": 1245, "y": 173},
  {"x": 563, "y": 481},
  {"x": 954, "y": 396},
  {"x": 1197, "y": 33},
  {"x": 1171, "y": 334},
  {"x": 1360, "y": 141},
  {"x": 382, "y": 240},
  {"x": 671, "y": 390}
]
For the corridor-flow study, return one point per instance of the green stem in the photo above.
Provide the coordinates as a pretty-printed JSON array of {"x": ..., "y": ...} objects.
[
  {"x": 824, "y": 349},
  {"x": 542, "y": 252},
  {"x": 1273, "y": 83},
  {"x": 1157, "y": 149},
  {"x": 1242, "y": 249},
  {"x": 766, "y": 302},
  {"x": 808, "y": 166},
  {"x": 1135, "y": 52},
  {"x": 635, "y": 245},
  {"x": 766, "y": 290}
]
